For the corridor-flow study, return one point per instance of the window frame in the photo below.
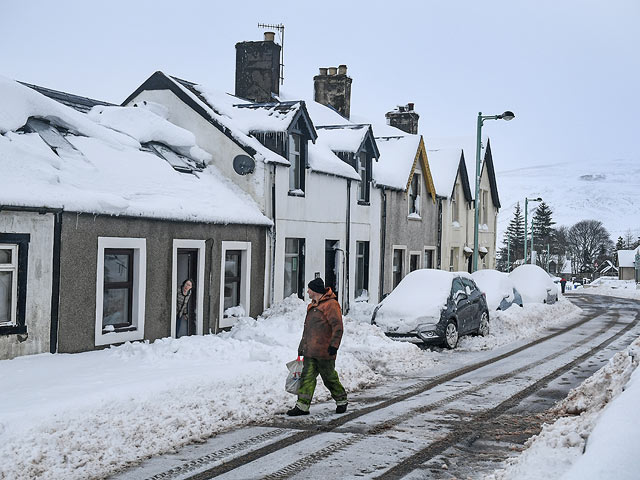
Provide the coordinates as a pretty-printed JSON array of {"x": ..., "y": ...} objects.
[
  {"x": 128, "y": 285},
  {"x": 138, "y": 300},
  {"x": 300, "y": 255},
  {"x": 19, "y": 243},
  {"x": 362, "y": 277},
  {"x": 414, "y": 208},
  {"x": 297, "y": 159},
  {"x": 362, "y": 167},
  {"x": 403, "y": 250},
  {"x": 245, "y": 280},
  {"x": 455, "y": 209},
  {"x": 432, "y": 253},
  {"x": 418, "y": 255}
]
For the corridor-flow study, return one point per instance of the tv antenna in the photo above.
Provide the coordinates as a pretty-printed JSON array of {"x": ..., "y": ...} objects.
[{"x": 280, "y": 28}]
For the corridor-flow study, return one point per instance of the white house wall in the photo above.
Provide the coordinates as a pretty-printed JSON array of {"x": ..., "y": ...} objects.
[
  {"x": 208, "y": 137},
  {"x": 39, "y": 283},
  {"x": 318, "y": 216}
]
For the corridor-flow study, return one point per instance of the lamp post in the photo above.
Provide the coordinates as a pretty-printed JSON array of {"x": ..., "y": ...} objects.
[
  {"x": 526, "y": 226},
  {"x": 481, "y": 118}
]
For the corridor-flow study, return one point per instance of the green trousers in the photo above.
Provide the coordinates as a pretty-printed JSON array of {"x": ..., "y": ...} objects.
[{"x": 327, "y": 370}]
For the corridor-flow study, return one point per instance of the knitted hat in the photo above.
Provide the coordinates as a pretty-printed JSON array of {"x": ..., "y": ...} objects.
[{"x": 317, "y": 285}]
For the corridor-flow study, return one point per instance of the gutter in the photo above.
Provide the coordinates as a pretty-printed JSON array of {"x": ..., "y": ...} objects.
[{"x": 345, "y": 292}]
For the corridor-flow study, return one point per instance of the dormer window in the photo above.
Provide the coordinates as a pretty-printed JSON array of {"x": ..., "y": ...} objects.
[
  {"x": 415, "y": 196},
  {"x": 297, "y": 168}
]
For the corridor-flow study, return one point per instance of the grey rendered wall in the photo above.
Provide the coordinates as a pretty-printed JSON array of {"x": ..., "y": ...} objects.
[
  {"x": 39, "y": 282},
  {"x": 79, "y": 251},
  {"x": 400, "y": 230}
]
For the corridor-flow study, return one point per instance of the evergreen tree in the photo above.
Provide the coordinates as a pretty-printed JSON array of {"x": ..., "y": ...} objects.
[
  {"x": 619, "y": 246},
  {"x": 513, "y": 242},
  {"x": 542, "y": 225}
]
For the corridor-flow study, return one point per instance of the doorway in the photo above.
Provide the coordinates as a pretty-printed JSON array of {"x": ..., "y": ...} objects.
[
  {"x": 188, "y": 263},
  {"x": 331, "y": 266}
]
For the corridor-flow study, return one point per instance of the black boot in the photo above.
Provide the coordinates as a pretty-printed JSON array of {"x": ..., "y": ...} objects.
[
  {"x": 341, "y": 408},
  {"x": 295, "y": 412}
]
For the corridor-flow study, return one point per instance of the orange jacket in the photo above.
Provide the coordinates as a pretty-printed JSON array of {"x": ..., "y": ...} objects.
[{"x": 322, "y": 328}]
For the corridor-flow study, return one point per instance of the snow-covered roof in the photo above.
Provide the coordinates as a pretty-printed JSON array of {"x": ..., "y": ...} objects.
[
  {"x": 80, "y": 165},
  {"x": 343, "y": 138},
  {"x": 627, "y": 258},
  {"x": 444, "y": 163},
  {"x": 323, "y": 159},
  {"x": 397, "y": 156}
]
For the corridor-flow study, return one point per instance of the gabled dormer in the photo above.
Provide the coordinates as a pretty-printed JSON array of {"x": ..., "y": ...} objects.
[
  {"x": 356, "y": 146},
  {"x": 285, "y": 128}
]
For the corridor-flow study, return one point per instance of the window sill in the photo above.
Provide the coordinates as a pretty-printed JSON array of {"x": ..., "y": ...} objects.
[
  {"x": 119, "y": 330},
  {"x": 294, "y": 193},
  {"x": 414, "y": 217},
  {"x": 363, "y": 203},
  {"x": 13, "y": 329}
]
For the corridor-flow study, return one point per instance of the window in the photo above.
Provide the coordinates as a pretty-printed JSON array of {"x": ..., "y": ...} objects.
[
  {"x": 398, "y": 266},
  {"x": 294, "y": 267},
  {"x": 414, "y": 195},
  {"x": 414, "y": 261},
  {"x": 120, "y": 290},
  {"x": 235, "y": 293},
  {"x": 428, "y": 258},
  {"x": 485, "y": 215},
  {"x": 362, "y": 269},
  {"x": 363, "y": 187},
  {"x": 296, "y": 170},
  {"x": 117, "y": 289},
  {"x": 232, "y": 277},
  {"x": 455, "y": 216},
  {"x": 453, "y": 259},
  {"x": 14, "y": 249}
]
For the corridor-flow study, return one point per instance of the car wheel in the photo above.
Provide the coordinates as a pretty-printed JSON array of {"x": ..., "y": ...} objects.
[
  {"x": 451, "y": 334},
  {"x": 483, "y": 328}
]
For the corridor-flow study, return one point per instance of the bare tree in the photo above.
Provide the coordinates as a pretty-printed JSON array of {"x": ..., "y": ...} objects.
[{"x": 589, "y": 243}]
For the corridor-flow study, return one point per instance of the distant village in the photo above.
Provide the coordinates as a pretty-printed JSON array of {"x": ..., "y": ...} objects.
[{"x": 106, "y": 210}]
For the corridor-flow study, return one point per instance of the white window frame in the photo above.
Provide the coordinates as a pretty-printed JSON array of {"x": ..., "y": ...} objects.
[
  {"x": 139, "y": 246},
  {"x": 403, "y": 273},
  {"x": 199, "y": 245},
  {"x": 455, "y": 209},
  {"x": 418, "y": 206},
  {"x": 362, "y": 172},
  {"x": 415, "y": 253},
  {"x": 295, "y": 159},
  {"x": 433, "y": 256},
  {"x": 245, "y": 280},
  {"x": 11, "y": 267}
]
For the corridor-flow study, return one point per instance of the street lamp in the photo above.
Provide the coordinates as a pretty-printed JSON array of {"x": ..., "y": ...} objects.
[
  {"x": 526, "y": 226},
  {"x": 481, "y": 118}
]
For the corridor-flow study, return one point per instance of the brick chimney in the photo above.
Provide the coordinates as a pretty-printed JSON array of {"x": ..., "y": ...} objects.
[
  {"x": 258, "y": 69},
  {"x": 404, "y": 118},
  {"x": 332, "y": 87}
]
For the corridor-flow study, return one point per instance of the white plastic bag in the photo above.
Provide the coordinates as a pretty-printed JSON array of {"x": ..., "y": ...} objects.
[{"x": 295, "y": 373}]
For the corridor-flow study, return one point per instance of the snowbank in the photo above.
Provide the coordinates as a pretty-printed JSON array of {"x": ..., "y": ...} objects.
[
  {"x": 600, "y": 438},
  {"x": 612, "y": 287},
  {"x": 90, "y": 414}
]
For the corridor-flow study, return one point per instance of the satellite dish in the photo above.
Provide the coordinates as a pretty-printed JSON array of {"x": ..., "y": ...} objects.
[{"x": 243, "y": 164}]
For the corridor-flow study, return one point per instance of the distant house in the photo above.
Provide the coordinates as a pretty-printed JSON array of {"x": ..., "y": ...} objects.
[
  {"x": 105, "y": 211},
  {"x": 626, "y": 264},
  {"x": 409, "y": 205}
]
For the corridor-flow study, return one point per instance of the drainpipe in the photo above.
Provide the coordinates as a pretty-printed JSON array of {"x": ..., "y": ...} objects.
[
  {"x": 383, "y": 241},
  {"x": 273, "y": 234},
  {"x": 345, "y": 293},
  {"x": 439, "y": 246},
  {"x": 55, "y": 288}
]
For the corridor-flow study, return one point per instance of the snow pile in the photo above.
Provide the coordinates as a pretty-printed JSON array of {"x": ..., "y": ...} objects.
[
  {"x": 600, "y": 440},
  {"x": 87, "y": 415},
  {"x": 612, "y": 287},
  {"x": 518, "y": 323}
]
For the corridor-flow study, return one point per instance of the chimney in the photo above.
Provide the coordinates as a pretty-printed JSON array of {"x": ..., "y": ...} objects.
[
  {"x": 258, "y": 69},
  {"x": 404, "y": 118},
  {"x": 332, "y": 87}
]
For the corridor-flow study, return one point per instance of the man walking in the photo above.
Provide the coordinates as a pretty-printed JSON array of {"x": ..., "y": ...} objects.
[{"x": 319, "y": 345}]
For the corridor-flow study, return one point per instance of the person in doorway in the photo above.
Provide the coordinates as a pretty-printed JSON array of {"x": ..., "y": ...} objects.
[
  {"x": 319, "y": 345},
  {"x": 182, "y": 307}
]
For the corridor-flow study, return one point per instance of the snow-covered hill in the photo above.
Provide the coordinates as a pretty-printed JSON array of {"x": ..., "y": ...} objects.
[{"x": 608, "y": 191}]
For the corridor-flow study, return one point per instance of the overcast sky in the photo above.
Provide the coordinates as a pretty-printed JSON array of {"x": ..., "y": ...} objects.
[{"x": 570, "y": 70}]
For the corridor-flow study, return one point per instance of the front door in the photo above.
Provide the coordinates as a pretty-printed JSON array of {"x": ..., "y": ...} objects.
[
  {"x": 187, "y": 269},
  {"x": 331, "y": 265}
]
